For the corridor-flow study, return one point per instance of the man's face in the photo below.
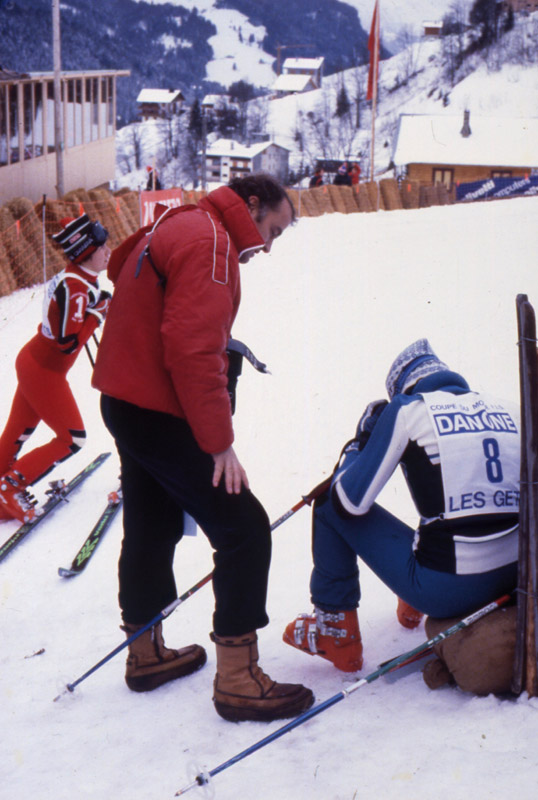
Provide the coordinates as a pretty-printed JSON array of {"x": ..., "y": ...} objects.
[{"x": 270, "y": 223}]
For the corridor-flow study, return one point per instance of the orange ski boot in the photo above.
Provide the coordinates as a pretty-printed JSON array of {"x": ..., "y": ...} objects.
[
  {"x": 333, "y": 635},
  {"x": 408, "y": 616},
  {"x": 15, "y": 500}
]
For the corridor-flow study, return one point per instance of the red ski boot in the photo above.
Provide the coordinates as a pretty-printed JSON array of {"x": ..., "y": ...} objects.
[
  {"x": 15, "y": 500},
  {"x": 408, "y": 616},
  {"x": 333, "y": 635}
]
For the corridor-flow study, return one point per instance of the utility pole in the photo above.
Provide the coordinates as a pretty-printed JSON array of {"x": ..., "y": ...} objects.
[
  {"x": 58, "y": 108},
  {"x": 204, "y": 149}
]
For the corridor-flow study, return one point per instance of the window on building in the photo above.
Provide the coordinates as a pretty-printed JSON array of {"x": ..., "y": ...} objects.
[
  {"x": 50, "y": 137},
  {"x": 441, "y": 175},
  {"x": 4, "y": 133},
  {"x": 13, "y": 145},
  {"x": 110, "y": 107},
  {"x": 95, "y": 108},
  {"x": 501, "y": 173}
]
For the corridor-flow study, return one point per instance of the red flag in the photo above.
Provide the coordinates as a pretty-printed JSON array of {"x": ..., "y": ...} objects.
[{"x": 373, "y": 47}]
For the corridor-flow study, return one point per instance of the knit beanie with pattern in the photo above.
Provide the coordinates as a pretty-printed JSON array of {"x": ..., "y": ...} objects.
[{"x": 415, "y": 362}]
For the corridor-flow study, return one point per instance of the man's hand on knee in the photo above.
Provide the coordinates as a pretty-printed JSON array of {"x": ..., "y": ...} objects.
[{"x": 227, "y": 464}]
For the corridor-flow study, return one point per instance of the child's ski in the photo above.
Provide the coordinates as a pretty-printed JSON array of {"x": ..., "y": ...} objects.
[
  {"x": 104, "y": 522},
  {"x": 57, "y": 495}
]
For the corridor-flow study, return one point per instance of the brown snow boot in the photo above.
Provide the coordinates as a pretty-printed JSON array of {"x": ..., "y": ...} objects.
[
  {"x": 150, "y": 663},
  {"x": 242, "y": 691}
]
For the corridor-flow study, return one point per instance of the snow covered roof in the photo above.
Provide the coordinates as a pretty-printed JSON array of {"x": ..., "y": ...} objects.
[
  {"x": 303, "y": 63},
  {"x": 291, "y": 83},
  {"x": 233, "y": 149},
  {"x": 215, "y": 99},
  {"x": 494, "y": 141},
  {"x": 159, "y": 96}
]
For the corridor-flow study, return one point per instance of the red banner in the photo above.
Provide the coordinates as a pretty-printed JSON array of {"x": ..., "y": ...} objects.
[
  {"x": 373, "y": 47},
  {"x": 166, "y": 197}
]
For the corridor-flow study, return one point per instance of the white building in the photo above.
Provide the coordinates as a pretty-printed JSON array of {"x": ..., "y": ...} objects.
[
  {"x": 227, "y": 159},
  {"x": 27, "y": 132},
  {"x": 299, "y": 75},
  {"x": 155, "y": 103}
]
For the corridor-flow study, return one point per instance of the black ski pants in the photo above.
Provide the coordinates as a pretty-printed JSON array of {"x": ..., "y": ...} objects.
[{"x": 163, "y": 473}]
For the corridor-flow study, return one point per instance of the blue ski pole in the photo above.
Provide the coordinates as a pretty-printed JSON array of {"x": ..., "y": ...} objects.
[
  {"x": 204, "y": 777},
  {"x": 305, "y": 500}
]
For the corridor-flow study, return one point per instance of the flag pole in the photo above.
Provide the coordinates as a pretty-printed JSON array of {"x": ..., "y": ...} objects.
[{"x": 374, "y": 86}]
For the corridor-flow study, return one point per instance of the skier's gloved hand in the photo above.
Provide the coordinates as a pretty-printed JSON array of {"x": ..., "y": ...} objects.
[
  {"x": 368, "y": 421},
  {"x": 100, "y": 308}
]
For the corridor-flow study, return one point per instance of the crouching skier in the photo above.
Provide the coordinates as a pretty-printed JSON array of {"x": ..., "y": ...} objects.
[
  {"x": 459, "y": 451},
  {"x": 74, "y": 307},
  {"x": 162, "y": 370}
]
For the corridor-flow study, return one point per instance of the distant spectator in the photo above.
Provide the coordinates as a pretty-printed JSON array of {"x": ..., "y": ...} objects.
[
  {"x": 342, "y": 177},
  {"x": 153, "y": 184},
  {"x": 317, "y": 178},
  {"x": 355, "y": 173}
]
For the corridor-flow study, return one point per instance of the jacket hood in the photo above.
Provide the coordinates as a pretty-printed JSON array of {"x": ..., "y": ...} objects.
[{"x": 233, "y": 212}]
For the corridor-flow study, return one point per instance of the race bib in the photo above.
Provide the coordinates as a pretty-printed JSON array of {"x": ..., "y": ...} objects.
[{"x": 479, "y": 450}]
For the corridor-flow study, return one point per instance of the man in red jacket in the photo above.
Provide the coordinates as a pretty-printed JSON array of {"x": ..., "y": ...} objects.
[{"x": 162, "y": 370}]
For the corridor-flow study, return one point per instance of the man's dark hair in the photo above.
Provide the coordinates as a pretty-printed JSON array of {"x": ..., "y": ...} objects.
[{"x": 263, "y": 186}]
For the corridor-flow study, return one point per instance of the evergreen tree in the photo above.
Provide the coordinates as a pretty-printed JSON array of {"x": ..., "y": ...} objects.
[
  {"x": 485, "y": 14},
  {"x": 343, "y": 105},
  {"x": 195, "y": 120}
]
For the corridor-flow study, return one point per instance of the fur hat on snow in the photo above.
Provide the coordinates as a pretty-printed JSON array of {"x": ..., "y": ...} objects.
[
  {"x": 80, "y": 237},
  {"x": 415, "y": 362}
]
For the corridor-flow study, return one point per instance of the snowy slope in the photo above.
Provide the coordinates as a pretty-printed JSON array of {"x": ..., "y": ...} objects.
[
  {"x": 336, "y": 300},
  {"x": 238, "y": 58},
  {"x": 397, "y": 16}
]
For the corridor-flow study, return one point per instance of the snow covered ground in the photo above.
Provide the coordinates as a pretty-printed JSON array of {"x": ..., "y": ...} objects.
[{"x": 336, "y": 300}]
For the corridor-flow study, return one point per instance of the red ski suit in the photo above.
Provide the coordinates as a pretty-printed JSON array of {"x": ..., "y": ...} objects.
[
  {"x": 169, "y": 343},
  {"x": 73, "y": 308}
]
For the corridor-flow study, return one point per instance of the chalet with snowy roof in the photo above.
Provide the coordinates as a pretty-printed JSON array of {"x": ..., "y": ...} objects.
[
  {"x": 159, "y": 103},
  {"x": 227, "y": 159},
  {"x": 432, "y": 28},
  {"x": 299, "y": 75},
  {"x": 522, "y": 5},
  {"x": 215, "y": 102},
  {"x": 27, "y": 136},
  {"x": 462, "y": 149}
]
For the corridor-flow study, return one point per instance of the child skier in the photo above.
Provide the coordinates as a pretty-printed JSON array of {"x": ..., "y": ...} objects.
[{"x": 73, "y": 308}]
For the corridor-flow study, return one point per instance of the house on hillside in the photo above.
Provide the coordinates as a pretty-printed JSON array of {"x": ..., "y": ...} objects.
[
  {"x": 432, "y": 28},
  {"x": 159, "y": 103},
  {"x": 522, "y": 5},
  {"x": 227, "y": 159},
  {"x": 215, "y": 103},
  {"x": 299, "y": 75},
  {"x": 461, "y": 149},
  {"x": 27, "y": 132}
]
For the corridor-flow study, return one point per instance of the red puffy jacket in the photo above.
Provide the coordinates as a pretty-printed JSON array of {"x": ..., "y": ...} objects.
[{"x": 164, "y": 345}]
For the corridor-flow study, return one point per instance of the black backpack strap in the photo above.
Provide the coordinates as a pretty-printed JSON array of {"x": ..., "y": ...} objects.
[{"x": 147, "y": 254}]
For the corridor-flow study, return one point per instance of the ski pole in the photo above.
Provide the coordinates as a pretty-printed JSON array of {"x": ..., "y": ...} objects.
[
  {"x": 88, "y": 353},
  {"x": 305, "y": 500},
  {"x": 203, "y": 778}
]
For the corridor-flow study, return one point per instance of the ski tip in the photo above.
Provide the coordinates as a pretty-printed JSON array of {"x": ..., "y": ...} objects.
[{"x": 66, "y": 573}]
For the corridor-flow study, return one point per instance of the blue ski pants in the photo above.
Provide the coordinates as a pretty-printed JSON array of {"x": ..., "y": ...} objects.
[{"x": 385, "y": 544}]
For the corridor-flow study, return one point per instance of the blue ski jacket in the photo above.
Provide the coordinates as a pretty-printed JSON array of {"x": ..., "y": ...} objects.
[{"x": 450, "y": 525}]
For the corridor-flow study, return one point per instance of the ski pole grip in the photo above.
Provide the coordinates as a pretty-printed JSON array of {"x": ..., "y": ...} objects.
[{"x": 317, "y": 490}]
